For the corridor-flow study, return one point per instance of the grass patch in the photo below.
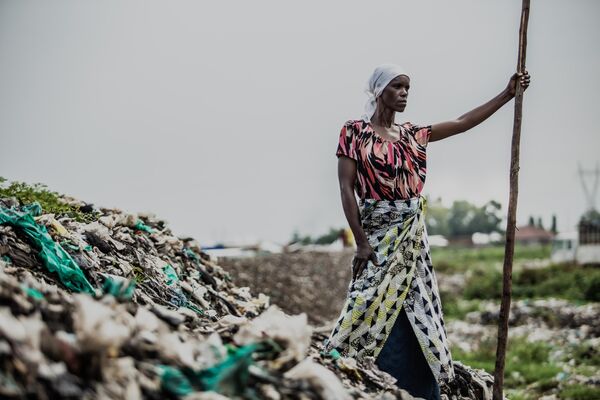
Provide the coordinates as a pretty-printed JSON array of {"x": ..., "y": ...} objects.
[
  {"x": 579, "y": 392},
  {"x": 568, "y": 281},
  {"x": 580, "y": 284},
  {"x": 49, "y": 201},
  {"x": 584, "y": 353},
  {"x": 526, "y": 362},
  {"x": 518, "y": 394},
  {"x": 458, "y": 308},
  {"x": 460, "y": 259},
  {"x": 528, "y": 371}
]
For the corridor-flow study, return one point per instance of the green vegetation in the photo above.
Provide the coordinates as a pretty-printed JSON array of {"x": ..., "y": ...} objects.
[
  {"x": 579, "y": 392},
  {"x": 458, "y": 308},
  {"x": 570, "y": 282},
  {"x": 49, "y": 201},
  {"x": 462, "y": 218},
  {"x": 460, "y": 259},
  {"x": 483, "y": 271},
  {"x": 529, "y": 370},
  {"x": 327, "y": 238},
  {"x": 526, "y": 362},
  {"x": 586, "y": 353},
  {"x": 567, "y": 281},
  {"x": 532, "y": 368}
]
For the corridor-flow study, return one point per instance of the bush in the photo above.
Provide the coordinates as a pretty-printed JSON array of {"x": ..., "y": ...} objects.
[
  {"x": 486, "y": 284},
  {"x": 456, "y": 308},
  {"x": 592, "y": 291},
  {"x": 570, "y": 282},
  {"x": 579, "y": 392}
]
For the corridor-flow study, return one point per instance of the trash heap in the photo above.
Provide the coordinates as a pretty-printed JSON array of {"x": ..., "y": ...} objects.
[{"x": 114, "y": 306}]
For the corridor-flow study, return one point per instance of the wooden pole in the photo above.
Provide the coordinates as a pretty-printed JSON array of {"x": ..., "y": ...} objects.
[{"x": 509, "y": 248}]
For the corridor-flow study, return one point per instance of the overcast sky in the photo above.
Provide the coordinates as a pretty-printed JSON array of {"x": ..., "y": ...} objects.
[{"x": 223, "y": 117}]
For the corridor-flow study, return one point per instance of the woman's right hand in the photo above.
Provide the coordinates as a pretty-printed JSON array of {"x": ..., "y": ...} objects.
[{"x": 364, "y": 254}]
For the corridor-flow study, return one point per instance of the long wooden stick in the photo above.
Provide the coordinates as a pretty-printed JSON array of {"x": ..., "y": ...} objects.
[{"x": 509, "y": 248}]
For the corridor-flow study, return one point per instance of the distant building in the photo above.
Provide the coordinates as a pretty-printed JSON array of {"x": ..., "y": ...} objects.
[
  {"x": 532, "y": 235},
  {"x": 588, "y": 251},
  {"x": 437, "y": 241},
  {"x": 484, "y": 239},
  {"x": 589, "y": 228}
]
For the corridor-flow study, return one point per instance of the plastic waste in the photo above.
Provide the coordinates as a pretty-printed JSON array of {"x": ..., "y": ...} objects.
[
  {"x": 140, "y": 226},
  {"x": 326, "y": 382},
  {"x": 292, "y": 332},
  {"x": 117, "y": 286},
  {"x": 55, "y": 258},
  {"x": 171, "y": 275}
]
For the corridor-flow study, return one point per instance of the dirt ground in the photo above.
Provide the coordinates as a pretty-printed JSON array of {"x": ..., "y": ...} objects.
[{"x": 311, "y": 282}]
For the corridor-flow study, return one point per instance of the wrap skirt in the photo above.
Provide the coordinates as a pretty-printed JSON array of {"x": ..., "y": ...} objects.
[{"x": 403, "y": 281}]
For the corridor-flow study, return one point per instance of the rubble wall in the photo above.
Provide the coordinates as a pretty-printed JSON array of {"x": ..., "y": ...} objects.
[{"x": 310, "y": 282}]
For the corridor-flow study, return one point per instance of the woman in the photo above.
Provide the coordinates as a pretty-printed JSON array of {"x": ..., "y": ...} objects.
[{"x": 393, "y": 311}]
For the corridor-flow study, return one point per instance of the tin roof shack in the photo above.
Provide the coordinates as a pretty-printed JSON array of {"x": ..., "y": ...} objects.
[
  {"x": 588, "y": 251},
  {"x": 532, "y": 235}
]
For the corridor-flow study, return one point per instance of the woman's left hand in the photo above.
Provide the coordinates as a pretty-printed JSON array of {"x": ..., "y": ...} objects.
[{"x": 512, "y": 84}]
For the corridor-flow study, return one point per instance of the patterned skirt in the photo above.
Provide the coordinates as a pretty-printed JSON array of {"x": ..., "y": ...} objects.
[{"x": 405, "y": 277}]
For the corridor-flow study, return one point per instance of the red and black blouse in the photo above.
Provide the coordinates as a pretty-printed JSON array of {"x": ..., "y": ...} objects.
[{"x": 386, "y": 170}]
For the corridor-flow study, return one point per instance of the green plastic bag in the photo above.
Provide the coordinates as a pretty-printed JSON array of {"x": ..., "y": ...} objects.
[
  {"x": 117, "y": 286},
  {"x": 33, "y": 293},
  {"x": 172, "y": 277},
  {"x": 55, "y": 258},
  {"x": 173, "y": 381},
  {"x": 229, "y": 377},
  {"x": 140, "y": 226}
]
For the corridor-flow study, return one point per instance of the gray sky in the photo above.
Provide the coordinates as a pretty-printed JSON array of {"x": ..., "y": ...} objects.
[{"x": 223, "y": 117}]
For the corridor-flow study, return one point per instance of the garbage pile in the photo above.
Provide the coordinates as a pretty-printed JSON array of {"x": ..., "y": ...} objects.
[{"x": 117, "y": 307}]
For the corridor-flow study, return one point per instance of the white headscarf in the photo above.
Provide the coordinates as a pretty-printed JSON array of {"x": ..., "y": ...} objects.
[{"x": 379, "y": 79}]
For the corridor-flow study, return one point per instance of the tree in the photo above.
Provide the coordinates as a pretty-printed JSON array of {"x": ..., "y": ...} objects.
[
  {"x": 296, "y": 238},
  {"x": 328, "y": 238},
  {"x": 487, "y": 219},
  {"x": 460, "y": 216},
  {"x": 466, "y": 218},
  {"x": 463, "y": 218},
  {"x": 436, "y": 218},
  {"x": 553, "y": 228},
  {"x": 540, "y": 224},
  {"x": 531, "y": 221}
]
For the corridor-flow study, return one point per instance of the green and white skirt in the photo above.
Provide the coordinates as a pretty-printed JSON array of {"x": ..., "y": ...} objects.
[{"x": 396, "y": 232}]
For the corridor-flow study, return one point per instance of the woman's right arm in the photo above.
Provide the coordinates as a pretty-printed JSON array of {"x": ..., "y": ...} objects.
[{"x": 364, "y": 252}]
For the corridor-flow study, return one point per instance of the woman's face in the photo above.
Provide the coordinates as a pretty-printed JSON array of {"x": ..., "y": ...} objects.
[{"x": 395, "y": 93}]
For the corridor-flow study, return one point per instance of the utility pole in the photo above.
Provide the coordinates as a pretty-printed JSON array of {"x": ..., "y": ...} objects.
[{"x": 590, "y": 193}]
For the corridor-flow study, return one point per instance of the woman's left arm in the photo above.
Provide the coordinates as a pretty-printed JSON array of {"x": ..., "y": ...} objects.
[{"x": 477, "y": 115}]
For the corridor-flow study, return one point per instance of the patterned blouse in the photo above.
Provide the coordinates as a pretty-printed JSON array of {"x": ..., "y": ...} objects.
[{"x": 386, "y": 170}]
